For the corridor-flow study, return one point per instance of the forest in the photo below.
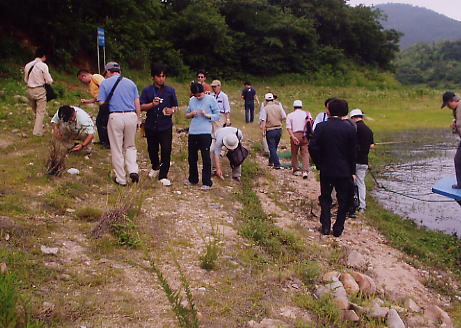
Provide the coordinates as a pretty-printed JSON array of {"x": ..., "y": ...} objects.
[
  {"x": 437, "y": 65},
  {"x": 226, "y": 37}
]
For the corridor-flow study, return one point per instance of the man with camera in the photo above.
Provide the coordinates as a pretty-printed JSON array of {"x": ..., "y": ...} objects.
[{"x": 159, "y": 101}]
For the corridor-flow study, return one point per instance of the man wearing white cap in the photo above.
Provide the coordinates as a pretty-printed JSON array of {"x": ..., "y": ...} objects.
[
  {"x": 228, "y": 137},
  {"x": 271, "y": 124},
  {"x": 364, "y": 143},
  {"x": 296, "y": 123}
]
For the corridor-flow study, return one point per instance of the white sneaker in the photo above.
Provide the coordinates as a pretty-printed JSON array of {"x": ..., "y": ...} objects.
[
  {"x": 153, "y": 173},
  {"x": 165, "y": 182},
  {"x": 205, "y": 187},
  {"x": 304, "y": 175}
]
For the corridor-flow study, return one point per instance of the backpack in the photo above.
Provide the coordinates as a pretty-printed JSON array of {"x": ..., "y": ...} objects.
[
  {"x": 309, "y": 127},
  {"x": 238, "y": 155}
]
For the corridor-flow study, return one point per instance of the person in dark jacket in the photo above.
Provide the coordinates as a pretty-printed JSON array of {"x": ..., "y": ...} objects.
[
  {"x": 333, "y": 150},
  {"x": 364, "y": 143}
]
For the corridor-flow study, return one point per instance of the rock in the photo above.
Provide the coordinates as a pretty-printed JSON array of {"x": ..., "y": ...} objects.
[
  {"x": 73, "y": 171},
  {"x": 3, "y": 268},
  {"x": 393, "y": 320},
  {"x": 336, "y": 289},
  {"x": 357, "y": 308},
  {"x": 288, "y": 312},
  {"x": 49, "y": 250},
  {"x": 411, "y": 305},
  {"x": 356, "y": 260},
  {"x": 271, "y": 323},
  {"x": 437, "y": 315},
  {"x": 366, "y": 284},
  {"x": 350, "y": 285},
  {"x": 376, "y": 310},
  {"x": 331, "y": 276},
  {"x": 417, "y": 322},
  {"x": 70, "y": 210},
  {"x": 349, "y": 315}
]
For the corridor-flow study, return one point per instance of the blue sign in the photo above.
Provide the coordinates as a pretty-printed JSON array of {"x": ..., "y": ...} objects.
[{"x": 101, "y": 39}]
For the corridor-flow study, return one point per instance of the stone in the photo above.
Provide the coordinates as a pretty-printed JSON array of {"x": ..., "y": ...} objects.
[
  {"x": 357, "y": 308},
  {"x": 336, "y": 289},
  {"x": 331, "y": 276},
  {"x": 366, "y": 284},
  {"x": 417, "y": 321},
  {"x": 376, "y": 310},
  {"x": 349, "y": 315},
  {"x": 437, "y": 315},
  {"x": 272, "y": 323},
  {"x": 3, "y": 268},
  {"x": 73, "y": 171},
  {"x": 350, "y": 285},
  {"x": 49, "y": 250},
  {"x": 356, "y": 260},
  {"x": 393, "y": 320}
]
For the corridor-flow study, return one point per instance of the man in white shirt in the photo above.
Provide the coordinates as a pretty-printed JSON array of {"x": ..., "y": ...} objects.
[
  {"x": 36, "y": 75},
  {"x": 72, "y": 123},
  {"x": 296, "y": 123}
]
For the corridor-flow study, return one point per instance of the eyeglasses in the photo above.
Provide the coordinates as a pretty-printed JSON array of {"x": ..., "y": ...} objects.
[
  {"x": 200, "y": 77},
  {"x": 215, "y": 86}
]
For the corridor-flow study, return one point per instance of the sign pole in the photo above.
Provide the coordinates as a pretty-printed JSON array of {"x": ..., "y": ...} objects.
[
  {"x": 97, "y": 50},
  {"x": 101, "y": 43}
]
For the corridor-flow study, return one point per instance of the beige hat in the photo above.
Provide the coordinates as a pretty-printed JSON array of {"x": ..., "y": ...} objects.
[
  {"x": 356, "y": 112},
  {"x": 216, "y": 83},
  {"x": 297, "y": 104},
  {"x": 269, "y": 96},
  {"x": 231, "y": 141}
]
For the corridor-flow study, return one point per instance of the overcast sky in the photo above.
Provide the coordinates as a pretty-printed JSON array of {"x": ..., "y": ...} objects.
[{"x": 450, "y": 8}]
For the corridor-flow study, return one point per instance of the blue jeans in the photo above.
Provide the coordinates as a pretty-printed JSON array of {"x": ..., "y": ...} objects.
[
  {"x": 249, "y": 112},
  {"x": 273, "y": 139}
]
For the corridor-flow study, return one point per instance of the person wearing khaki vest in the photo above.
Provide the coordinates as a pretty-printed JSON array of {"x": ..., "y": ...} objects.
[
  {"x": 271, "y": 123},
  {"x": 36, "y": 75}
]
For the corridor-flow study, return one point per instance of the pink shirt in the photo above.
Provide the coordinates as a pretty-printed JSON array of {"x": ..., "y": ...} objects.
[{"x": 297, "y": 120}]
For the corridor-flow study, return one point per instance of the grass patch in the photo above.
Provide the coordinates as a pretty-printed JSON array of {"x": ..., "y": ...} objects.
[
  {"x": 432, "y": 248},
  {"x": 326, "y": 314},
  {"x": 88, "y": 214}
]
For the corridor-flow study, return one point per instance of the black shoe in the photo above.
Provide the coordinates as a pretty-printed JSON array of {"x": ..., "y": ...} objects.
[
  {"x": 114, "y": 180},
  {"x": 98, "y": 143},
  {"x": 351, "y": 215},
  {"x": 325, "y": 231},
  {"x": 277, "y": 167},
  {"x": 456, "y": 186},
  {"x": 337, "y": 233},
  {"x": 134, "y": 177}
]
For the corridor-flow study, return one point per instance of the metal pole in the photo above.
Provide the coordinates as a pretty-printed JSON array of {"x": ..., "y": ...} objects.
[
  {"x": 104, "y": 54},
  {"x": 97, "y": 50}
]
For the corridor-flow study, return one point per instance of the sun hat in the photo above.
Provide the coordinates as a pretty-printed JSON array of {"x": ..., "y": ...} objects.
[
  {"x": 297, "y": 104},
  {"x": 269, "y": 96},
  {"x": 356, "y": 112},
  {"x": 231, "y": 141}
]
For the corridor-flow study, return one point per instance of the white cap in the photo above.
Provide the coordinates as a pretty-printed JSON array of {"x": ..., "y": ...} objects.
[
  {"x": 231, "y": 141},
  {"x": 356, "y": 112},
  {"x": 298, "y": 103},
  {"x": 269, "y": 96}
]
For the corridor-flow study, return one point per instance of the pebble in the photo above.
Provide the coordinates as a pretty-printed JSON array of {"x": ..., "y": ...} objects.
[
  {"x": 70, "y": 210},
  {"x": 73, "y": 171},
  {"x": 49, "y": 250}
]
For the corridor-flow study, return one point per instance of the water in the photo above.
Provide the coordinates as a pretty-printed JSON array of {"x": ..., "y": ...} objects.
[{"x": 416, "y": 178}]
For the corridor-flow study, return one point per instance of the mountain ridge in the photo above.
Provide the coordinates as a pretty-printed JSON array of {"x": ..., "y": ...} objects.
[{"x": 418, "y": 24}]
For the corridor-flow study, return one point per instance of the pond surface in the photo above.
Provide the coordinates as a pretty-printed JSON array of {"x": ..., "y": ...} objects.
[{"x": 420, "y": 168}]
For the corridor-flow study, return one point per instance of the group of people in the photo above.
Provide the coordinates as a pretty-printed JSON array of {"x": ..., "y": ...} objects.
[{"x": 338, "y": 145}]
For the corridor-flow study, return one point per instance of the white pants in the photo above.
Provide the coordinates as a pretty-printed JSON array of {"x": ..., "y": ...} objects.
[
  {"x": 360, "y": 172},
  {"x": 122, "y": 132}
]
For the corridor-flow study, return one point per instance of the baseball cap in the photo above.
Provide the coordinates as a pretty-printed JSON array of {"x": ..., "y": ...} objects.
[
  {"x": 112, "y": 67},
  {"x": 356, "y": 112},
  {"x": 215, "y": 83},
  {"x": 231, "y": 141},
  {"x": 269, "y": 96},
  {"x": 297, "y": 104},
  {"x": 447, "y": 96}
]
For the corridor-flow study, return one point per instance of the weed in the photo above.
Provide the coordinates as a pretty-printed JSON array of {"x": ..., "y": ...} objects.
[
  {"x": 308, "y": 272},
  {"x": 212, "y": 250},
  {"x": 186, "y": 315},
  {"x": 126, "y": 233},
  {"x": 323, "y": 308},
  {"x": 88, "y": 213}
]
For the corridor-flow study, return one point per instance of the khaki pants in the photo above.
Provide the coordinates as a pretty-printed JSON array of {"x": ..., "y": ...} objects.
[
  {"x": 218, "y": 124},
  {"x": 236, "y": 171},
  {"x": 122, "y": 133},
  {"x": 302, "y": 148},
  {"x": 37, "y": 97}
]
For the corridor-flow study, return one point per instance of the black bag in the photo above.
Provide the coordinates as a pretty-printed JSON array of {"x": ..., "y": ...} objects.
[
  {"x": 238, "y": 155},
  {"x": 104, "y": 108},
  {"x": 50, "y": 94},
  {"x": 356, "y": 203}
]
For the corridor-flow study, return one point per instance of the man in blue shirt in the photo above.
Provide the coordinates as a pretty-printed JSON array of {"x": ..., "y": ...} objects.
[
  {"x": 159, "y": 101},
  {"x": 202, "y": 110},
  {"x": 249, "y": 96},
  {"x": 124, "y": 119}
]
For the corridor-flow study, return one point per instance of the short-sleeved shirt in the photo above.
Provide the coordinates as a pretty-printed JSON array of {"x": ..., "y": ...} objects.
[
  {"x": 201, "y": 124},
  {"x": 95, "y": 82},
  {"x": 39, "y": 74},
  {"x": 296, "y": 121},
  {"x": 223, "y": 102},
  {"x": 83, "y": 123},
  {"x": 221, "y": 133},
  {"x": 155, "y": 119},
  {"x": 124, "y": 95},
  {"x": 248, "y": 95}
]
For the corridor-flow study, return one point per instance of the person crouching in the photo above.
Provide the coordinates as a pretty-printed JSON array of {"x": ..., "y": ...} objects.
[{"x": 229, "y": 138}]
